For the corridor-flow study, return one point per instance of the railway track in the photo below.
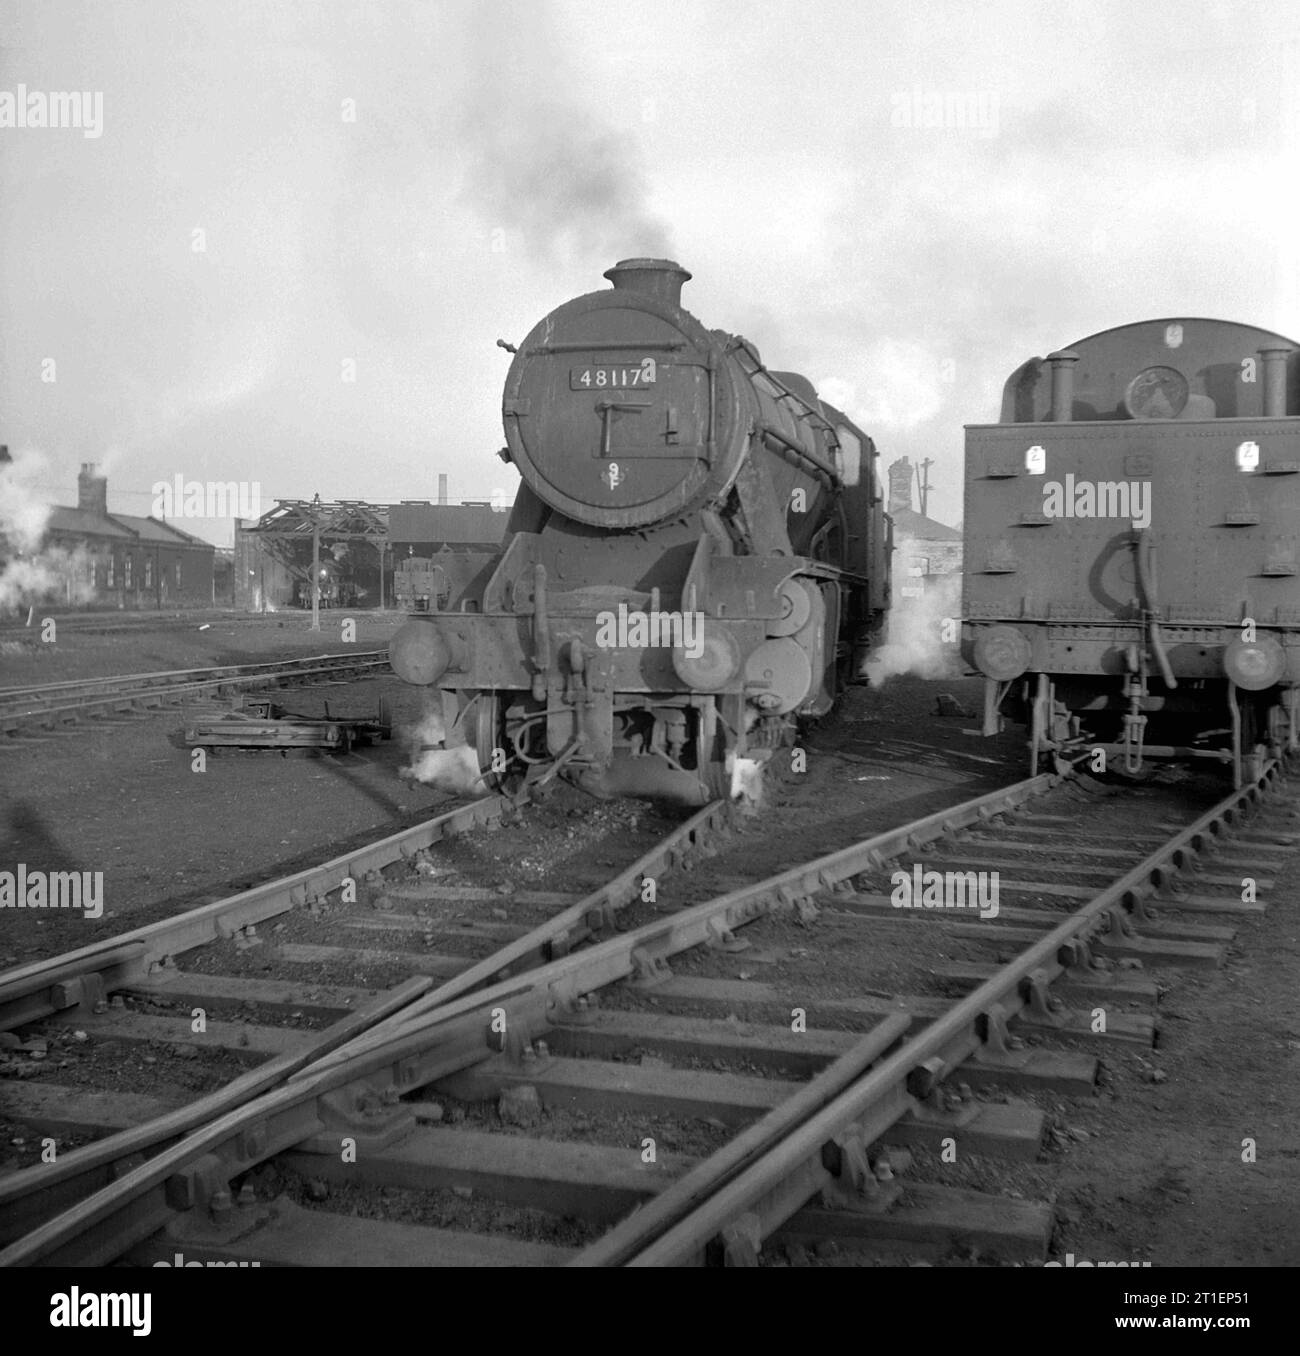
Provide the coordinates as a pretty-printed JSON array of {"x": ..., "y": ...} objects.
[
  {"x": 516, "y": 1112},
  {"x": 113, "y": 623},
  {"x": 47, "y": 707},
  {"x": 368, "y": 932}
]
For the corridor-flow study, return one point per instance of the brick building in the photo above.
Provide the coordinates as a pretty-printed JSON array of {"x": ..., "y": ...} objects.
[
  {"x": 123, "y": 560},
  {"x": 924, "y": 549}
]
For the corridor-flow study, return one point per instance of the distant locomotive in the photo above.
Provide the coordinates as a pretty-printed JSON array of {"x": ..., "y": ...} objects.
[
  {"x": 697, "y": 555},
  {"x": 1131, "y": 547},
  {"x": 337, "y": 588},
  {"x": 419, "y": 585}
]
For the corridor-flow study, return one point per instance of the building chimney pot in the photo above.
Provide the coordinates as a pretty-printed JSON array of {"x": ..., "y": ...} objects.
[
  {"x": 900, "y": 485},
  {"x": 92, "y": 491}
]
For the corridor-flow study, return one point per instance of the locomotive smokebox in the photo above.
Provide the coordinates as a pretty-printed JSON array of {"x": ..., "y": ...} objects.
[
  {"x": 660, "y": 278},
  {"x": 419, "y": 654}
]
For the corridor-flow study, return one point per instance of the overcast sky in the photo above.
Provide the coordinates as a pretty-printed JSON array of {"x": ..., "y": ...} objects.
[{"x": 1131, "y": 160}]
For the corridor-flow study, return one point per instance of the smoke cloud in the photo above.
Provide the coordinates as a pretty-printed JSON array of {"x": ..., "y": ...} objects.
[
  {"x": 541, "y": 165},
  {"x": 50, "y": 576},
  {"x": 905, "y": 388},
  {"x": 23, "y": 510},
  {"x": 567, "y": 184},
  {"x": 29, "y": 574},
  {"x": 914, "y": 630}
]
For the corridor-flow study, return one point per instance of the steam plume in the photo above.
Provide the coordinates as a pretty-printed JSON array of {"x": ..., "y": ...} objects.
[
  {"x": 29, "y": 574},
  {"x": 913, "y": 633},
  {"x": 454, "y": 770}
]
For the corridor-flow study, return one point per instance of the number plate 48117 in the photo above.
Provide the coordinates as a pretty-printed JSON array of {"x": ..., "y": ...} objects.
[{"x": 604, "y": 378}]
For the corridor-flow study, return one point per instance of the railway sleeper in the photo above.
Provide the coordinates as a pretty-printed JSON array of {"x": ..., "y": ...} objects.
[
  {"x": 598, "y": 1183},
  {"x": 931, "y": 1220},
  {"x": 1010, "y": 1130},
  {"x": 285, "y": 1234}
]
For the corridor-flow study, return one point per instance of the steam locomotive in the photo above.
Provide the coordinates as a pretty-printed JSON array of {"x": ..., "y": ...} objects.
[
  {"x": 336, "y": 584},
  {"x": 1131, "y": 532},
  {"x": 697, "y": 556}
]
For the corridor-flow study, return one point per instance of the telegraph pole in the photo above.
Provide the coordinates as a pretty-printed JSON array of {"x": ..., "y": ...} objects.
[
  {"x": 315, "y": 563},
  {"x": 923, "y": 482}
]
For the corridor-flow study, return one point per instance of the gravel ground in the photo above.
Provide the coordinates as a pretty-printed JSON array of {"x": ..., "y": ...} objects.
[{"x": 1155, "y": 1170}]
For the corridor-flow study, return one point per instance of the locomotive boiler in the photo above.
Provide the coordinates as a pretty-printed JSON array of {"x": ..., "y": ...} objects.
[
  {"x": 1131, "y": 547},
  {"x": 698, "y": 555}
]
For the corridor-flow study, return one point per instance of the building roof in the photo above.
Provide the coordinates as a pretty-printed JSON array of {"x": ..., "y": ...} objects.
[
  {"x": 83, "y": 523},
  {"x": 455, "y": 524},
  {"x": 119, "y": 526},
  {"x": 154, "y": 529},
  {"x": 909, "y": 523}
]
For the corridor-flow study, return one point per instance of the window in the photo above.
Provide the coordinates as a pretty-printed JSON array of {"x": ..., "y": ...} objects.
[
  {"x": 148, "y": 572},
  {"x": 110, "y": 573},
  {"x": 178, "y": 574},
  {"x": 126, "y": 572}
]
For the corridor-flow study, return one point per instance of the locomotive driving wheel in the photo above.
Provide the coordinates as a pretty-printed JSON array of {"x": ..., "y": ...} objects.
[{"x": 490, "y": 739}]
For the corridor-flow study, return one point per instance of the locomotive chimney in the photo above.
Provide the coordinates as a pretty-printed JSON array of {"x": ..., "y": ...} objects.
[
  {"x": 660, "y": 278},
  {"x": 1274, "y": 381},
  {"x": 442, "y": 489},
  {"x": 1062, "y": 385}
]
